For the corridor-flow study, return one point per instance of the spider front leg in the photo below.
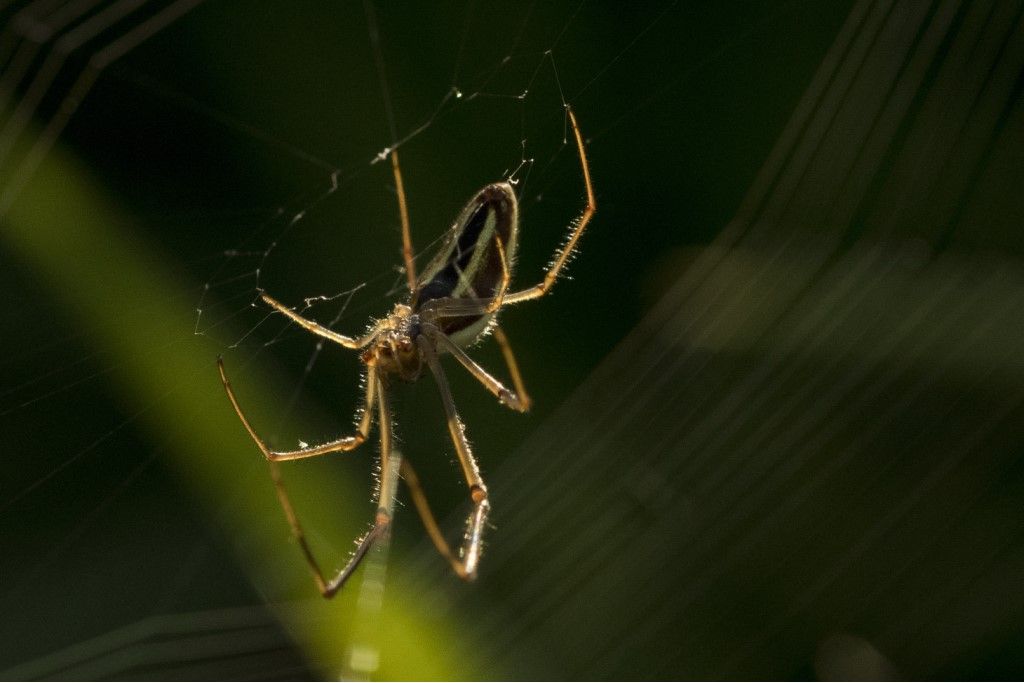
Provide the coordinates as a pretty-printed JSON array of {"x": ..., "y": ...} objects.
[
  {"x": 563, "y": 254},
  {"x": 318, "y": 329},
  {"x": 403, "y": 213},
  {"x": 465, "y": 564}
]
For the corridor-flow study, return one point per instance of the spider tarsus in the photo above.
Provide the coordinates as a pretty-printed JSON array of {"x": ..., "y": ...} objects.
[{"x": 507, "y": 398}]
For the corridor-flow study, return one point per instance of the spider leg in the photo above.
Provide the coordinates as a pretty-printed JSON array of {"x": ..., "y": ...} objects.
[
  {"x": 469, "y": 551},
  {"x": 374, "y": 391},
  {"x": 318, "y": 329},
  {"x": 505, "y": 396},
  {"x": 385, "y": 504},
  {"x": 513, "y": 367},
  {"x": 562, "y": 255},
  {"x": 403, "y": 212},
  {"x": 506, "y": 277},
  {"x": 327, "y": 590},
  {"x": 419, "y": 499},
  {"x": 345, "y": 443},
  {"x": 450, "y": 307}
]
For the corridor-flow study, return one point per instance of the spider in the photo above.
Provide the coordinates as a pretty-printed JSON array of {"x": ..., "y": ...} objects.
[{"x": 452, "y": 304}]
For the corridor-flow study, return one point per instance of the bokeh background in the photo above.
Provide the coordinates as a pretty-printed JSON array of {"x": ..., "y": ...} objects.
[{"x": 777, "y": 424}]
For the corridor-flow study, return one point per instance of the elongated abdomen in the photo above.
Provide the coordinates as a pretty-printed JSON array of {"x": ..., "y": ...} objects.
[{"x": 468, "y": 264}]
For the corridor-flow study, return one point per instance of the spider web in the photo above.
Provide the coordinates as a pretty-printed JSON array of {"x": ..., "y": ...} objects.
[{"x": 775, "y": 398}]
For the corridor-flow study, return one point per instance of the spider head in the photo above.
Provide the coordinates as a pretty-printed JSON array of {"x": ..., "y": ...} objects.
[
  {"x": 397, "y": 355},
  {"x": 395, "y": 352}
]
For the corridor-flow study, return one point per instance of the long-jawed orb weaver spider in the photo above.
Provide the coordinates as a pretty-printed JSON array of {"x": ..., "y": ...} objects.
[{"x": 452, "y": 304}]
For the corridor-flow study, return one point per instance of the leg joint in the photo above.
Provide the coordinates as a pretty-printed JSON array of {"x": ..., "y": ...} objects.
[{"x": 478, "y": 492}]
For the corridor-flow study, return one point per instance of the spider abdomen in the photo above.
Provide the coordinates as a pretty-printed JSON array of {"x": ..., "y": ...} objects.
[{"x": 472, "y": 260}]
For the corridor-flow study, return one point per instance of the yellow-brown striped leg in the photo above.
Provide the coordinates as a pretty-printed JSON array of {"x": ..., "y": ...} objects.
[
  {"x": 500, "y": 391},
  {"x": 385, "y": 503},
  {"x": 469, "y": 551},
  {"x": 403, "y": 212},
  {"x": 563, "y": 254},
  {"x": 345, "y": 443}
]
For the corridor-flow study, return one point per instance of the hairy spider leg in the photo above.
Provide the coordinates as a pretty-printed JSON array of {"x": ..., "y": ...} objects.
[
  {"x": 403, "y": 212},
  {"x": 318, "y": 329},
  {"x": 469, "y": 551},
  {"x": 504, "y": 395},
  {"x": 513, "y": 367},
  {"x": 375, "y": 391},
  {"x": 385, "y": 501},
  {"x": 344, "y": 443},
  {"x": 562, "y": 255}
]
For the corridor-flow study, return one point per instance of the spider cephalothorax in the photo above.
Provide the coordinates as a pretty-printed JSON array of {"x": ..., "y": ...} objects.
[
  {"x": 452, "y": 304},
  {"x": 394, "y": 351}
]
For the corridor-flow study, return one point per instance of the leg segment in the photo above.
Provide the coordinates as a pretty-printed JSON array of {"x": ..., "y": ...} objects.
[
  {"x": 345, "y": 443},
  {"x": 513, "y": 368},
  {"x": 403, "y": 211},
  {"x": 326, "y": 589},
  {"x": 562, "y": 255},
  {"x": 385, "y": 505},
  {"x": 318, "y": 329},
  {"x": 419, "y": 499},
  {"x": 504, "y": 395},
  {"x": 457, "y": 307},
  {"x": 506, "y": 277},
  {"x": 472, "y": 542}
]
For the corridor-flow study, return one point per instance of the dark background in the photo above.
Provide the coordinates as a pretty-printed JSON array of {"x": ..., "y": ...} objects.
[{"x": 777, "y": 408}]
